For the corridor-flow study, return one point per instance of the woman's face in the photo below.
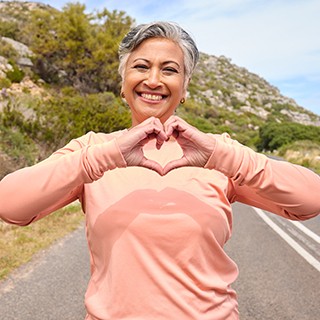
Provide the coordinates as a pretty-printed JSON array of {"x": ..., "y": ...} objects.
[{"x": 154, "y": 77}]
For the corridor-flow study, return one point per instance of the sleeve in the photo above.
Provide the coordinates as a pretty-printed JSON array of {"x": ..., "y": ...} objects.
[
  {"x": 280, "y": 187},
  {"x": 30, "y": 193}
]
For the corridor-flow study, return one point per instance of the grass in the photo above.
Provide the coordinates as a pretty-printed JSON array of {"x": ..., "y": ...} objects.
[
  {"x": 305, "y": 153},
  {"x": 19, "y": 244}
]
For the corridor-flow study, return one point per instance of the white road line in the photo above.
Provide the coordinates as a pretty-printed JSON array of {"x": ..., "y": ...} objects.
[
  {"x": 292, "y": 243},
  {"x": 305, "y": 230}
]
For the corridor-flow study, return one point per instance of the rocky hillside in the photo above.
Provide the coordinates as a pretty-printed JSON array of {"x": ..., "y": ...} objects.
[
  {"x": 222, "y": 96},
  {"x": 19, "y": 11},
  {"x": 225, "y": 85}
]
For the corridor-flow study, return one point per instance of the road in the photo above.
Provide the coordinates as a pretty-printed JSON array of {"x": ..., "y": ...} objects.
[
  {"x": 275, "y": 282},
  {"x": 52, "y": 286}
]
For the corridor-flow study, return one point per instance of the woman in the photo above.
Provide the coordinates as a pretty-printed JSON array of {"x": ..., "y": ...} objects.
[{"x": 156, "y": 236}]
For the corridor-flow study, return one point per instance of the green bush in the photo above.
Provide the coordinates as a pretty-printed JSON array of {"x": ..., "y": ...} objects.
[
  {"x": 54, "y": 122},
  {"x": 4, "y": 83},
  {"x": 15, "y": 75},
  {"x": 9, "y": 28},
  {"x": 7, "y": 51},
  {"x": 275, "y": 135},
  {"x": 16, "y": 144}
]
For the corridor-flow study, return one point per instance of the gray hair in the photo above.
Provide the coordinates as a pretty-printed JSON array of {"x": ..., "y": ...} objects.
[{"x": 167, "y": 30}]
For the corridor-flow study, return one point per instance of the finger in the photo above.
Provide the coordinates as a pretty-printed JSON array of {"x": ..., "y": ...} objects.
[
  {"x": 159, "y": 144},
  {"x": 175, "y": 126},
  {"x": 174, "y": 119},
  {"x": 152, "y": 165},
  {"x": 156, "y": 127},
  {"x": 159, "y": 136},
  {"x": 169, "y": 125},
  {"x": 147, "y": 131}
]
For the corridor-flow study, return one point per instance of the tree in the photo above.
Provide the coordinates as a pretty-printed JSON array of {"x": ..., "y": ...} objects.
[
  {"x": 76, "y": 48},
  {"x": 109, "y": 31},
  {"x": 274, "y": 135}
]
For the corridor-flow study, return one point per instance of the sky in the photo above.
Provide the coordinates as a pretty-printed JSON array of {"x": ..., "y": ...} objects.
[{"x": 277, "y": 39}]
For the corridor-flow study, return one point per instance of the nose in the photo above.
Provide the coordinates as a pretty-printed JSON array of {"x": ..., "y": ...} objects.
[{"x": 153, "y": 78}]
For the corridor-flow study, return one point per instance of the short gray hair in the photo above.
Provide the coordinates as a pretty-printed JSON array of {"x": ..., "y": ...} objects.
[{"x": 167, "y": 30}]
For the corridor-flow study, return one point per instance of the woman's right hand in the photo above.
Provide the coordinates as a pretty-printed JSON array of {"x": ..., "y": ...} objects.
[{"x": 132, "y": 142}]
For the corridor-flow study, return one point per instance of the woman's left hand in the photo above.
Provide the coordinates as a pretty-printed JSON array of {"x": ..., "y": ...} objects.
[{"x": 197, "y": 146}]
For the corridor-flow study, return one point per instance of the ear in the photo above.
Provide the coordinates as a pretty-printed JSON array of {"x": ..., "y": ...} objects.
[
  {"x": 122, "y": 95},
  {"x": 122, "y": 86},
  {"x": 186, "y": 84}
]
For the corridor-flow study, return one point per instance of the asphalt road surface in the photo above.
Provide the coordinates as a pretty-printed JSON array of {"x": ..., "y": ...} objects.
[
  {"x": 52, "y": 286},
  {"x": 275, "y": 282}
]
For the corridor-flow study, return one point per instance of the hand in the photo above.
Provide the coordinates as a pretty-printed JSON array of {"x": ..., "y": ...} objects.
[
  {"x": 132, "y": 142},
  {"x": 197, "y": 146}
]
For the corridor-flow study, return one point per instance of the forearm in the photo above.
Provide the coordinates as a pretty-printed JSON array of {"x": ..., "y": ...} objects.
[
  {"x": 278, "y": 186},
  {"x": 32, "y": 192}
]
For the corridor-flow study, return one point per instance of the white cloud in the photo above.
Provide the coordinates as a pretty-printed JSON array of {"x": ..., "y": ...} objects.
[
  {"x": 276, "y": 40},
  {"x": 269, "y": 37}
]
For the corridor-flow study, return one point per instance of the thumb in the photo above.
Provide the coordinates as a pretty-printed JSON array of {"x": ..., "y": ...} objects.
[
  {"x": 152, "y": 165},
  {"x": 174, "y": 164}
]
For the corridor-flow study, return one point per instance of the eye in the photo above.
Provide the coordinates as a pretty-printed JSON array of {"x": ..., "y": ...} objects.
[
  {"x": 141, "y": 67},
  {"x": 170, "y": 70}
]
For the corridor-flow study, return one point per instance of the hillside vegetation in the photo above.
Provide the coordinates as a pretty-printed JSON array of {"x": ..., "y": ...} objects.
[{"x": 59, "y": 80}]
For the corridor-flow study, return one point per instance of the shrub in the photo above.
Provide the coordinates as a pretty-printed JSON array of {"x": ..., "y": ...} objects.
[
  {"x": 18, "y": 146},
  {"x": 7, "y": 51},
  {"x": 4, "y": 83},
  {"x": 276, "y": 135},
  {"x": 9, "y": 28},
  {"x": 15, "y": 75}
]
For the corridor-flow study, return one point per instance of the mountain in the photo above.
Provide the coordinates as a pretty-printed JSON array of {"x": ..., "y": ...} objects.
[
  {"x": 38, "y": 78},
  {"x": 226, "y": 85},
  {"x": 19, "y": 11}
]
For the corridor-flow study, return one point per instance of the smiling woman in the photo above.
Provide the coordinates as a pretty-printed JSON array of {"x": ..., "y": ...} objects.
[
  {"x": 157, "y": 196},
  {"x": 154, "y": 80}
]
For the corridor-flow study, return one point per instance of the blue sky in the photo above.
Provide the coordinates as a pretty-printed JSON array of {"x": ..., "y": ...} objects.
[{"x": 276, "y": 39}]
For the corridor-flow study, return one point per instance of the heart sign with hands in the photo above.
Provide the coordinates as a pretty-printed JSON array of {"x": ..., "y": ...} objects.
[
  {"x": 197, "y": 146},
  {"x": 132, "y": 142}
]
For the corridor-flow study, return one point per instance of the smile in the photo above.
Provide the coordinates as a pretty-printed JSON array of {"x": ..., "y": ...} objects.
[{"x": 152, "y": 97}]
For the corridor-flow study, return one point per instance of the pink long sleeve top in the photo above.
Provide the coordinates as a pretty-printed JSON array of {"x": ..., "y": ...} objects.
[{"x": 156, "y": 243}]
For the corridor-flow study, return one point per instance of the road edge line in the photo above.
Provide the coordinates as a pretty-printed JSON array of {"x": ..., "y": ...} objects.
[
  {"x": 306, "y": 230},
  {"x": 291, "y": 242}
]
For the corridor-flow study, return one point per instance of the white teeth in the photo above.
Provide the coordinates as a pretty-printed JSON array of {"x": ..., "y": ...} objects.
[{"x": 154, "y": 97}]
